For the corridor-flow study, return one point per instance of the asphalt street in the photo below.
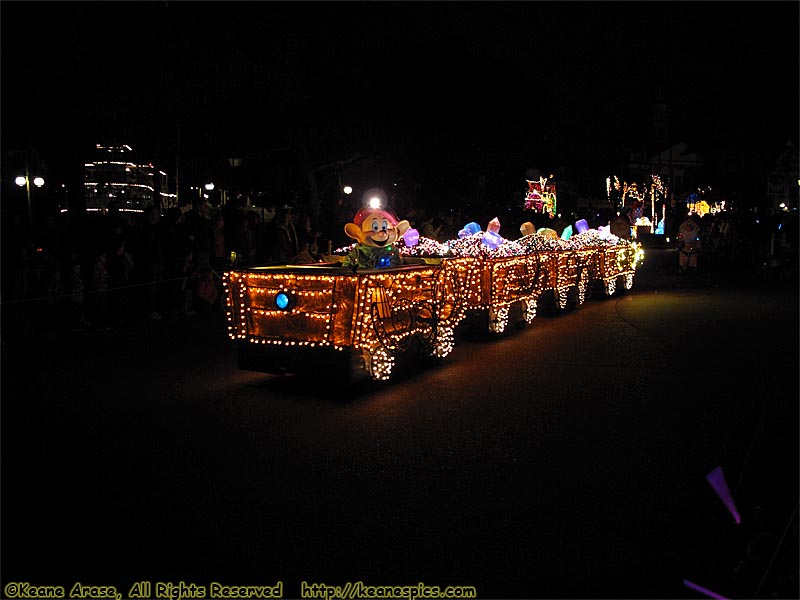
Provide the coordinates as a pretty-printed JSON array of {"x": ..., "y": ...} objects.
[{"x": 566, "y": 460}]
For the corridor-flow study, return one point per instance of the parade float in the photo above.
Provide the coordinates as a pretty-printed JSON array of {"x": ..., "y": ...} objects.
[
  {"x": 541, "y": 196},
  {"x": 645, "y": 204},
  {"x": 393, "y": 290}
]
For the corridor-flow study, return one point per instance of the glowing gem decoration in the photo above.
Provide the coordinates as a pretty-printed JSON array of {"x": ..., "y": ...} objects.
[
  {"x": 469, "y": 229},
  {"x": 527, "y": 228},
  {"x": 492, "y": 240},
  {"x": 581, "y": 226},
  {"x": 567, "y": 233},
  {"x": 411, "y": 237},
  {"x": 494, "y": 225},
  {"x": 547, "y": 232},
  {"x": 282, "y": 300},
  {"x": 716, "y": 478},
  {"x": 702, "y": 590}
]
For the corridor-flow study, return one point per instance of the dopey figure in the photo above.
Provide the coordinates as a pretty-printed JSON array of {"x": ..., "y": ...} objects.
[{"x": 377, "y": 231}]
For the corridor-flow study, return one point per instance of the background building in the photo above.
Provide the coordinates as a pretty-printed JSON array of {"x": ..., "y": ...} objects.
[{"x": 114, "y": 176}]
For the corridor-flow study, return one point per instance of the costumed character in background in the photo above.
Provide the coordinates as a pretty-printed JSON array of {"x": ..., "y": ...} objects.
[
  {"x": 636, "y": 212},
  {"x": 376, "y": 231},
  {"x": 688, "y": 244}
]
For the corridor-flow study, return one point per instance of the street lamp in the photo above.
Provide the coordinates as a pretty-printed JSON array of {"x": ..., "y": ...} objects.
[
  {"x": 25, "y": 181},
  {"x": 208, "y": 188}
]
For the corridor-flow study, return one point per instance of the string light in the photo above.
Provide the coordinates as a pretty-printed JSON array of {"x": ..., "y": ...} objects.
[{"x": 380, "y": 313}]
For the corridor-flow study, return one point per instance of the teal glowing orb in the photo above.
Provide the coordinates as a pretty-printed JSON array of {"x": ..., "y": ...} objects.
[{"x": 282, "y": 300}]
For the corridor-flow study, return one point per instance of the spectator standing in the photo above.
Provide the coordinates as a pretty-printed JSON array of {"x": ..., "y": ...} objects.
[
  {"x": 452, "y": 225},
  {"x": 119, "y": 265},
  {"x": 75, "y": 291},
  {"x": 177, "y": 262},
  {"x": 45, "y": 289},
  {"x": 431, "y": 227},
  {"x": 149, "y": 258},
  {"x": 114, "y": 226},
  {"x": 307, "y": 236},
  {"x": 98, "y": 294},
  {"x": 284, "y": 237},
  {"x": 16, "y": 260},
  {"x": 206, "y": 284},
  {"x": 221, "y": 259},
  {"x": 199, "y": 230},
  {"x": 244, "y": 241}
]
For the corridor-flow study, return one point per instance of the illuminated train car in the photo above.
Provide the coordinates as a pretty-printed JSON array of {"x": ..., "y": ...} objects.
[
  {"x": 511, "y": 289},
  {"x": 287, "y": 318},
  {"x": 296, "y": 318},
  {"x": 613, "y": 265}
]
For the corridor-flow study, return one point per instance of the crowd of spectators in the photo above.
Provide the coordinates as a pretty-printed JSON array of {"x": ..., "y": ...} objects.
[
  {"x": 109, "y": 270},
  {"x": 730, "y": 239}
]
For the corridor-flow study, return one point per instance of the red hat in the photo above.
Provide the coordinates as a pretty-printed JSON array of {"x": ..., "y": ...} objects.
[{"x": 384, "y": 212}]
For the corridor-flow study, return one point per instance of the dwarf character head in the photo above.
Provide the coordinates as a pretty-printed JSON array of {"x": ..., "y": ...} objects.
[{"x": 377, "y": 227}]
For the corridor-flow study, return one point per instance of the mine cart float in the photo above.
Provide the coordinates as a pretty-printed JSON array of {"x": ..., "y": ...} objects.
[{"x": 299, "y": 318}]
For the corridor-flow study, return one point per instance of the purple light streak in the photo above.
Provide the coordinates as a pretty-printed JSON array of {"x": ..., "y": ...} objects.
[
  {"x": 717, "y": 480},
  {"x": 702, "y": 590}
]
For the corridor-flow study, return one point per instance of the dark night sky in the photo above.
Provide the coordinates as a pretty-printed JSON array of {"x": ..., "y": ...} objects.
[{"x": 461, "y": 85}]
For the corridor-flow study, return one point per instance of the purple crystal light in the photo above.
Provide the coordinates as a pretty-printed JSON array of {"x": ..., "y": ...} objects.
[{"x": 411, "y": 237}]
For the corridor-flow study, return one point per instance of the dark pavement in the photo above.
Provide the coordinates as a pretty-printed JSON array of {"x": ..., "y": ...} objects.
[{"x": 567, "y": 460}]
